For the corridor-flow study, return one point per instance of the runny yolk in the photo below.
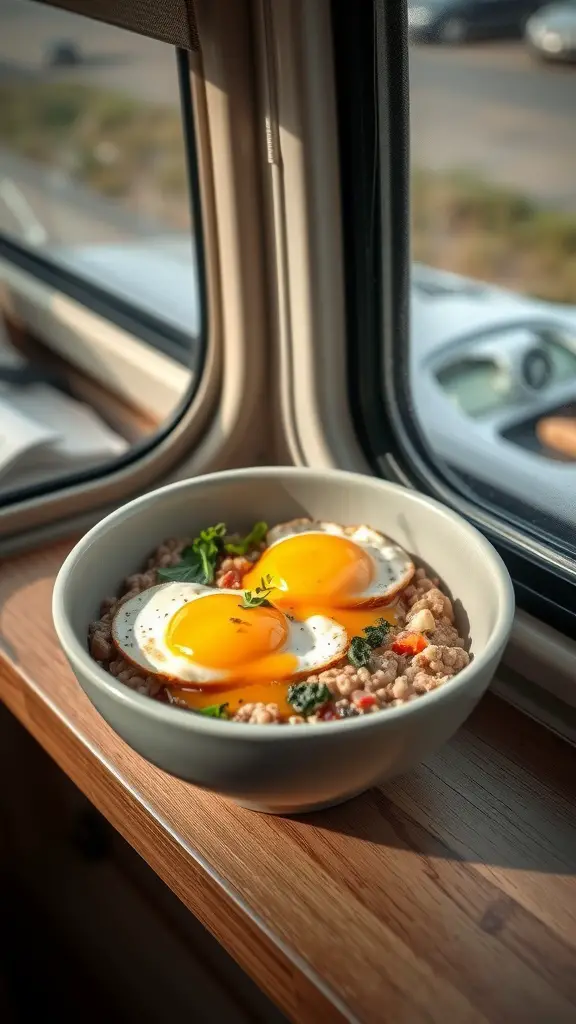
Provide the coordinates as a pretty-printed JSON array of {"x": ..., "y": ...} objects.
[
  {"x": 314, "y": 566},
  {"x": 215, "y": 632},
  {"x": 271, "y": 692},
  {"x": 354, "y": 620},
  {"x": 235, "y": 697}
]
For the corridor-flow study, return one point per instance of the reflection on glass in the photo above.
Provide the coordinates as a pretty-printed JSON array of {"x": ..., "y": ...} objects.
[
  {"x": 563, "y": 358},
  {"x": 476, "y": 386},
  {"x": 93, "y": 179},
  {"x": 494, "y": 241},
  {"x": 92, "y": 157}
]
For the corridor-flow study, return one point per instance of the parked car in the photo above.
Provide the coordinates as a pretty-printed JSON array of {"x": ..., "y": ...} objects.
[
  {"x": 551, "y": 32},
  {"x": 489, "y": 368},
  {"x": 63, "y": 54},
  {"x": 455, "y": 21}
]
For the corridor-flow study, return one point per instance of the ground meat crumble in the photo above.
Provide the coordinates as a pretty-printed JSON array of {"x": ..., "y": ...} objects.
[{"x": 390, "y": 678}]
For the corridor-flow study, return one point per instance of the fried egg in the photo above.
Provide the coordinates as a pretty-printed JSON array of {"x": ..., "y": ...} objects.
[
  {"x": 330, "y": 565},
  {"x": 189, "y": 633}
]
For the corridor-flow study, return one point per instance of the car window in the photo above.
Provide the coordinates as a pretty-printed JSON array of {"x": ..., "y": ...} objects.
[
  {"x": 459, "y": 229},
  {"x": 493, "y": 243},
  {"x": 95, "y": 206}
]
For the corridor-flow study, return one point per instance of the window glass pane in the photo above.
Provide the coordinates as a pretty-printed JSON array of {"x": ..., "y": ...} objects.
[
  {"x": 92, "y": 157},
  {"x": 94, "y": 188},
  {"x": 493, "y": 333}
]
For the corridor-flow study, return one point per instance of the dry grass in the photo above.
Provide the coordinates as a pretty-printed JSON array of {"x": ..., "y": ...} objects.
[
  {"x": 133, "y": 152},
  {"x": 113, "y": 144},
  {"x": 471, "y": 227}
]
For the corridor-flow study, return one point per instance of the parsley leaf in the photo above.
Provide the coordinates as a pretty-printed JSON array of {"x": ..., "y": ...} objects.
[
  {"x": 183, "y": 573},
  {"x": 198, "y": 564},
  {"x": 214, "y": 711},
  {"x": 361, "y": 647},
  {"x": 259, "y": 596},
  {"x": 308, "y": 697},
  {"x": 234, "y": 546},
  {"x": 206, "y": 547}
]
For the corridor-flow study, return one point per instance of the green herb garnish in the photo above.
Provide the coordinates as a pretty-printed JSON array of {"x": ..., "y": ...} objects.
[
  {"x": 214, "y": 711},
  {"x": 361, "y": 647},
  {"x": 199, "y": 559},
  {"x": 185, "y": 572},
  {"x": 377, "y": 633},
  {"x": 207, "y": 547},
  {"x": 359, "y": 652},
  {"x": 241, "y": 546},
  {"x": 258, "y": 597},
  {"x": 306, "y": 698}
]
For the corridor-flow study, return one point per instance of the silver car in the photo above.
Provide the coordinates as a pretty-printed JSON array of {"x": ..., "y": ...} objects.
[
  {"x": 488, "y": 367},
  {"x": 551, "y": 32}
]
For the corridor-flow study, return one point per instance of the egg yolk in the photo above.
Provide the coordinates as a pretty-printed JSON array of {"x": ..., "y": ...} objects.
[
  {"x": 354, "y": 620},
  {"x": 216, "y": 632},
  {"x": 316, "y": 567},
  {"x": 235, "y": 696}
]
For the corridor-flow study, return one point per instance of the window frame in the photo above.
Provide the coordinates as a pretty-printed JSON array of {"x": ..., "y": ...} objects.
[
  {"x": 95, "y": 346},
  {"x": 304, "y": 236},
  {"x": 140, "y": 324},
  {"x": 218, "y": 427}
]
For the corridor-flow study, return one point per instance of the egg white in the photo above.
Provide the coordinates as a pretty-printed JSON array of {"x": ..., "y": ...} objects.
[
  {"x": 139, "y": 626},
  {"x": 393, "y": 567}
]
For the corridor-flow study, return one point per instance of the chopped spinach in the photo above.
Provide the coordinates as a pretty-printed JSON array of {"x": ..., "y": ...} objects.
[
  {"x": 359, "y": 652},
  {"x": 214, "y": 711},
  {"x": 361, "y": 647},
  {"x": 306, "y": 698}
]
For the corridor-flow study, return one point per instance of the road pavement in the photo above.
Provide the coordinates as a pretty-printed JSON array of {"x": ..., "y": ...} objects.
[
  {"x": 115, "y": 58},
  {"x": 40, "y": 204},
  {"x": 493, "y": 110}
]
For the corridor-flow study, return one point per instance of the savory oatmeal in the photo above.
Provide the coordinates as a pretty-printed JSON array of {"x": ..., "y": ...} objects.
[{"x": 303, "y": 623}]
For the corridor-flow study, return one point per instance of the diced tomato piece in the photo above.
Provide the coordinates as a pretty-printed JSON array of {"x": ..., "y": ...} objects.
[
  {"x": 327, "y": 713},
  {"x": 230, "y": 580},
  {"x": 412, "y": 643},
  {"x": 366, "y": 701}
]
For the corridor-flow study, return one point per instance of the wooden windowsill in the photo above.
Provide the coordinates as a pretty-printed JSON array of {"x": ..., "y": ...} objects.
[{"x": 447, "y": 895}]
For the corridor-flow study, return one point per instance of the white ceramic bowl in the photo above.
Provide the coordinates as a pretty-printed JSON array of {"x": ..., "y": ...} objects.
[{"x": 287, "y": 769}]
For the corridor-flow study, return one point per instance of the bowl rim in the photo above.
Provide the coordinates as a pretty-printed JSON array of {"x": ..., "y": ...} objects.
[{"x": 182, "y": 719}]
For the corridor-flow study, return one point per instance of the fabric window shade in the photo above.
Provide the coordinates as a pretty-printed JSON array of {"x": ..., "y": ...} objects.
[{"x": 172, "y": 21}]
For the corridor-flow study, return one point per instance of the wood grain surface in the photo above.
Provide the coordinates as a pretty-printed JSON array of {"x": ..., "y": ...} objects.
[{"x": 445, "y": 896}]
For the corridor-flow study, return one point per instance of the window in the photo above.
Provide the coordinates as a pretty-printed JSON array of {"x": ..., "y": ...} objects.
[
  {"x": 95, "y": 218},
  {"x": 493, "y": 233},
  {"x": 463, "y": 373},
  {"x": 493, "y": 336}
]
